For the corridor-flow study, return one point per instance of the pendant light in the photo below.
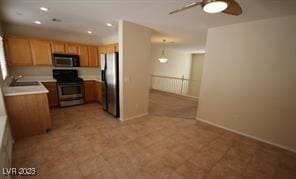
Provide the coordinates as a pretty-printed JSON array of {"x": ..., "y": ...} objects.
[{"x": 162, "y": 59}]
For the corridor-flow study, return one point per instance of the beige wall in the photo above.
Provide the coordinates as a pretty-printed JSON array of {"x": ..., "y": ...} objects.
[
  {"x": 46, "y": 33},
  {"x": 249, "y": 79},
  {"x": 178, "y": 64},
  {"x": 134, "y": 70},
  {"x": 197, "y": 62}
]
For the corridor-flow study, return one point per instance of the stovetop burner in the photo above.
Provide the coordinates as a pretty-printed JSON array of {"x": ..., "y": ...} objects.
[
  {"x": 66, "y": 76},
  {"x": 65, "y": 80}
]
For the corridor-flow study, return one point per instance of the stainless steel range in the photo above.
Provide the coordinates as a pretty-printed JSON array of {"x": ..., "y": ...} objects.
[{"x": 70, "y": 87}]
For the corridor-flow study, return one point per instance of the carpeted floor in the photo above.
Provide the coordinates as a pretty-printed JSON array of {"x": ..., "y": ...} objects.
[{"x": 165, "y": 104}]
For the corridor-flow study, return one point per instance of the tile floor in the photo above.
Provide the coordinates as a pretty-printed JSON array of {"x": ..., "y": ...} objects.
[
  {"x": 87, "y": 143},
  {"x": 165, "y": 104}
]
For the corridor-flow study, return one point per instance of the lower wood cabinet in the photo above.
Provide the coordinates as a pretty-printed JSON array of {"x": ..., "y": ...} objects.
[
  {"x": 53, "y": 99},
  {"x": 28, "y": 115},
  {"x": 92, "y": 91},
  {"x": 99, "y": 91},
  {"x": 89, "y": 91},
  {"x": 6, "y": 148}
]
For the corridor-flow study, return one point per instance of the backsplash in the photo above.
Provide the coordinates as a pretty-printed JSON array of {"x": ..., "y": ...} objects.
[{"x": 47, "y": 71}]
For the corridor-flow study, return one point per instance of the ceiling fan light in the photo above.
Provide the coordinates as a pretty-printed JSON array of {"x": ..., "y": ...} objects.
[
  {"x": 163, "y": 60},
  {"x": 215, "y": 6}
]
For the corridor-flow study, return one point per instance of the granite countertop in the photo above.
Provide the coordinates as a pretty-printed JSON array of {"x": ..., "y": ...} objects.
[
  {"x": 24, "y": 90},
  {"x": 51, "y": 79}
]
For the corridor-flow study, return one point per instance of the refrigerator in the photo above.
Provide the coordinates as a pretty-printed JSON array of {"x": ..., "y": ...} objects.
[{"x": 110, "y": 83}]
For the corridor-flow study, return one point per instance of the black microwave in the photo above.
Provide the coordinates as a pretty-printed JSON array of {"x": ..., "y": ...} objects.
[{"x": 64, "y": 60}]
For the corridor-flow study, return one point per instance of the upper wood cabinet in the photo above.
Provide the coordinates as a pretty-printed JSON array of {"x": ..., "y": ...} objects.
[
  {"x": 58, "y": 47},
  {"x": 72, "y": 48},
  {"x": 117, "y": 47},
  {"x": 22, "y": 51},
  {"x": 83, "y": 54},
  {"x": 41, "y": 52},
  {"x": 111, "y": 48},
  {"x": 18, "y": 51},
  {"x": 93, "y": 57}
]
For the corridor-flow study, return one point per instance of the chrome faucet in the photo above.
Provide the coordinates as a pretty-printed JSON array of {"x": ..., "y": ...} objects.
[{"x": 14, "y": 79}]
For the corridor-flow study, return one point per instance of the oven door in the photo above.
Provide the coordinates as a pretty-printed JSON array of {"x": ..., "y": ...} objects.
[{"x": 70, "y": 90}]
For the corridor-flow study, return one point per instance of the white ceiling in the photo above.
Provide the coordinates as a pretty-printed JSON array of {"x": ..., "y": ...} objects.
[{"x": 186, "y": 29}]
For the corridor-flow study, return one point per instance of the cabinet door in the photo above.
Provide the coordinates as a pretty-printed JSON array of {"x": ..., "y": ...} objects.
[
  {"x": 99, "y": 92},
  {"x": 110, "y": 48},
  {"x": 116, "y": 47},
  {"x": 53, "y": 99},
  {"x": 41, "y": 52},
  {"x": 58, "y": 47},
  {"x": 83, "y": 55},
  {"x": 102, "y": 49},
  {"x": 72, "y": 49},
  {"x": 93, "y": 57},
  {"x": 89, "y": 91},
  {"x": 18, "y": 51}
]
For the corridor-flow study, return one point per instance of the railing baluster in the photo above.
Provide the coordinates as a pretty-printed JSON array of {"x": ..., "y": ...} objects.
[{"x": 175, "y": 85}]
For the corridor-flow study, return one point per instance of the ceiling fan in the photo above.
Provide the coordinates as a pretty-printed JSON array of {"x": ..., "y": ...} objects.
[{"x": 230, "y": 7}]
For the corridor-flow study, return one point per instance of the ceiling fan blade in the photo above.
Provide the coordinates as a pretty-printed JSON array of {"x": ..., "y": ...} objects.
[
  {"x": 233, "y": 8},
  {"x": 186, "y": 7}
]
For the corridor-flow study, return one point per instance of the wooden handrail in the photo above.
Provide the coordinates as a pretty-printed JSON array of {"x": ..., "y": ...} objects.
[{"x": 168, "y": 77}]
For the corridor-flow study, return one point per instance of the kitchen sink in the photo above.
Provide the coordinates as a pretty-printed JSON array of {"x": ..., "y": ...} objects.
[{"x": 25, "y": 83}]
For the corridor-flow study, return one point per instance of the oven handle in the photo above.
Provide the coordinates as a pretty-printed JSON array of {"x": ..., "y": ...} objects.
[{"x": 62, "y": 85}]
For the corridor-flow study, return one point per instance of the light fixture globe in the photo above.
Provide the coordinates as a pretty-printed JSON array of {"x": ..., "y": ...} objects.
[
  {"x": 162, "y": 60},
  {"x": 214, "y": 6}
]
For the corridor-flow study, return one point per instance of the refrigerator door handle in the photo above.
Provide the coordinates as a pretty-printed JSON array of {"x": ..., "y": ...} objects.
[{"x": 103, "y": 75}]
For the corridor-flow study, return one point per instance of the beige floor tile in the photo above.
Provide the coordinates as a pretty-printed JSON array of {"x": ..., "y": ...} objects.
[{"x": 98, "y": 146}]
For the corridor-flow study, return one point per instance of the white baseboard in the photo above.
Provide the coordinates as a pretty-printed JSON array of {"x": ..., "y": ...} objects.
[
  {"x": 133, "y": 117},
  {"x": 246, "y": 135}
]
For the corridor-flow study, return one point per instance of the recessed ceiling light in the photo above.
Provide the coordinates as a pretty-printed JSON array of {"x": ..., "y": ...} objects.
[
  {"x": 109, "y": 24},
  {"x": 43, "y": 8},
  {"x": 89, "y": 32},
  {"x": 37, "y": 22}
]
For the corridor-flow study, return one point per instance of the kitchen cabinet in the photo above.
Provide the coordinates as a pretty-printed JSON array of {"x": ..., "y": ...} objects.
[
  {"x": 41, "y": 52},
  {"x": 110, "y": 48},
  {"x": 58, "y": 47},
  {"x": 83, "y": 54},
  {"x": 18, "y": 51},
  {"x": 53, "y": 99},
  {"x": 117, "y": 47},
  {"x": 98, "y": 91},
  {"x": 93, "y": 57},
  {"x": 72, "y": 48},
  {"x": 89, "y": 91},
  {"x": 28, "y": 115},
  {"x": 22, "y": 51},
  {"x": 6, "y": 147}
]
